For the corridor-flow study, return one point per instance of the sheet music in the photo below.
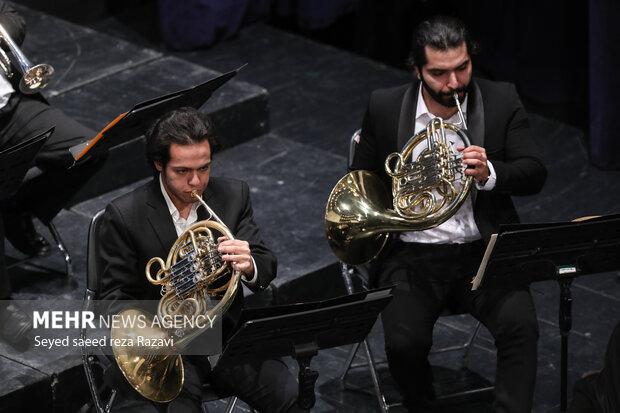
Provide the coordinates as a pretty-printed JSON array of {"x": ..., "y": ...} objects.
[
  {"x": 483, "y": 265},
  {"x": 133, "y": 123}
]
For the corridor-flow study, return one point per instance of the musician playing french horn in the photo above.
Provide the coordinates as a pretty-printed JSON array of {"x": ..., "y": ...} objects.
[
  {"x": 432, "y": 268},
  {"x": 146, "y": 222}
]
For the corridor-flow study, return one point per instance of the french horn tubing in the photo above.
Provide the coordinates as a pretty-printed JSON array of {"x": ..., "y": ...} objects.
[{"x": 427, "y": 190}]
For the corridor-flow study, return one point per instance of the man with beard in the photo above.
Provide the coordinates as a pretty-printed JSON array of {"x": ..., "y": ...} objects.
[{"x": 432, "y": 269}]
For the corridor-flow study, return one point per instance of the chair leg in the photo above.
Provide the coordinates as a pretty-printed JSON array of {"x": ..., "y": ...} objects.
[
  {"x": 231, "y": 404},
  {"x": 347, "y": 365},
  {"x": 383, "y": 405},
  {"x": 375, "y": 379},
  {"x": 348, "y": 283},
  {"x": 62, "y": 248},
  {"x": 469, "y": 345},
  {"x": 346, "y": 277},
  {"x": 110, "y": 403},
  {"x": 100, "y": 405}
]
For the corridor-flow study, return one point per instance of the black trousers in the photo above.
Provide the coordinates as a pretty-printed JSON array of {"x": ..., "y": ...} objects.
[
  {"x": 50, "y": 191},
  {"x": 268, "y": 386},
  {"x": 429, "y": 278}
]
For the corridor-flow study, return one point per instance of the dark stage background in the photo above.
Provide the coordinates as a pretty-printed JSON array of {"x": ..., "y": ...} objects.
[
  {"x": 560, "y": 55},
  {"x": 286, "y": 120}
]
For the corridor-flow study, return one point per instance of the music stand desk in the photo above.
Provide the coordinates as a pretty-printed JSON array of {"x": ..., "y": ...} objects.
[
  {"x": 133, "y": 123},
  {"x": 522, "y": 254},
  {"x": 301, "y": 330}
]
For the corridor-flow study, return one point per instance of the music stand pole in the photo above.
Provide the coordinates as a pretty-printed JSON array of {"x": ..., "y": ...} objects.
[
  {"x": 306, "y": 377},
  {"x": 565, "y": 322}
]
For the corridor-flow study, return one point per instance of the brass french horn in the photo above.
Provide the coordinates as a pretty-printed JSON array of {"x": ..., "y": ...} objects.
[
  {"x": 193, "y": 275},
  {"x": 426, "y": 191}
]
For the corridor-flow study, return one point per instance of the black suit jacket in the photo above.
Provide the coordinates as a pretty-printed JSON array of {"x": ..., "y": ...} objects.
[
  {"x": 137, "y": 227},
  {"x": 496, "y": 121}
]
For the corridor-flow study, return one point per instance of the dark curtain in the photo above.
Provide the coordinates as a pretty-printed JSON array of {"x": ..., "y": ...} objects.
[
  {"x": 190, "y": 24},
  {"x": 604, "y": 82}
]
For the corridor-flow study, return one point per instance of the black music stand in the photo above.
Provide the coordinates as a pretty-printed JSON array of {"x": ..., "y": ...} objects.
[
  {"x": 301, "y": 330},
  {"x": 133, "y": 123},
  {"x": 521, "y": 254},
  {"x": 16, "y": 160}
]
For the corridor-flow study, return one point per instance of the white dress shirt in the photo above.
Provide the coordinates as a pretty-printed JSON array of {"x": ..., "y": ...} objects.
[
  {"x": 461, "y": 227},
  {"x": 6, "y": 90},
  {"x": 181, "y": 224}
]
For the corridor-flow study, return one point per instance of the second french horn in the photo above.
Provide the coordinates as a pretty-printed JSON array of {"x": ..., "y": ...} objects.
[{"x": 428, "y": 187}]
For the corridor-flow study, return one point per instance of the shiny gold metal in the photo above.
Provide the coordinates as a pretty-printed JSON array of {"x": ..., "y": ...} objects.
[
  {"x": 427, "y": 189},
  {"x": 192, "y": 278},
  {"x": 34, "y": 78}
]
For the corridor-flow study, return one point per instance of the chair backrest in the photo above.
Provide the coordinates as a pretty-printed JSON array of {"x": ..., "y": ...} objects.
[
  {"x": 355, "y": 140},
  {"x": 361, "y": 271},
  {"x": 93, "y": 281}
]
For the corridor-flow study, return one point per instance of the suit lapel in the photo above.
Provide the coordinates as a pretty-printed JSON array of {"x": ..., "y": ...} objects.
[
  {"x": 406, "y": 119},
  {"x": 475, "y": 124},
  {"x": 475, "y": 115},
  {"x": 159, "y": 217}
]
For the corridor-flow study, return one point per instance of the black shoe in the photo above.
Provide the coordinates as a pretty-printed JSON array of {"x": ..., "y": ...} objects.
[
  {"x": 20, "y": 230},
  {"x": 14, "y": 323}
]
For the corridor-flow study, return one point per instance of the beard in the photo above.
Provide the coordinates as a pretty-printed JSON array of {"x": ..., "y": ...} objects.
[{"x": 445, "y": 98}]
